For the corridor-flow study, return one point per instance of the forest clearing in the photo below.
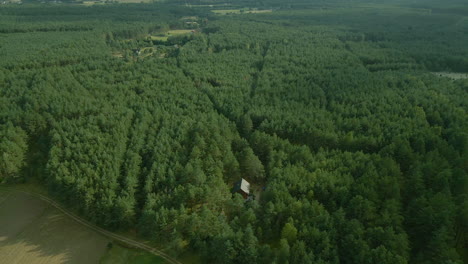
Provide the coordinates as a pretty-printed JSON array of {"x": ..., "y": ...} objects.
[
  {"x": 169, "y": 33},
  {"x": 103, "y": 2},
  {"x": 240, "y": 11},
  {"x": 452, "y": 75}
]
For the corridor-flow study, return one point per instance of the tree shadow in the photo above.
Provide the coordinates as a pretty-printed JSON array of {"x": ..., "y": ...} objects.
[{"x": 31, "y": 231}]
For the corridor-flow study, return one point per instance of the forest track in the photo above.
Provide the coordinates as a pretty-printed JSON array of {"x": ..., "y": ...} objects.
[{"x": 102, "y": 231}]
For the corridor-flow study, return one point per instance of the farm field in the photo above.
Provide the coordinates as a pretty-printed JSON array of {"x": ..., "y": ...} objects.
[{"x": 33, "y": 232}]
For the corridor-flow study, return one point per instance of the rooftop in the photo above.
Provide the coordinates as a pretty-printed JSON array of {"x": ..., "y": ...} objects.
[{"x": 242, "y": 185}]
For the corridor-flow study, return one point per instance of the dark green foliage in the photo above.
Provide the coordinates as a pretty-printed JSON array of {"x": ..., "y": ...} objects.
[{"x": 356, "y": 153}]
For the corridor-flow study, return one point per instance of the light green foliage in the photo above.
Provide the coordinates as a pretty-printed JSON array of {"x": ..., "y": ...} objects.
[{"x": 289, "y": 232}]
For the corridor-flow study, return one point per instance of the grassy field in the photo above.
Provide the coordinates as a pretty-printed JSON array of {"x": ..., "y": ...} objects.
[
  {"x": 258, "y": 11},
  {"x": 452, "y": 75},
  {"x": 175, "y": 32},
  {"x": 226, "y": 11},
  {"x": 179, "y": 31},
  {"x": 133, "y": 1},
  {"x": 90, "y": 3},
  {"x": 121, "y": 255},
  {"x": 239, "y": 11},
  {"x": 160, "y": 38},
  {"x": 33, "y": 232}
]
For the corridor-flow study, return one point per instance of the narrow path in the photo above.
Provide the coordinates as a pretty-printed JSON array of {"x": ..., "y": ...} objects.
[{"x": 104, "y": 232}]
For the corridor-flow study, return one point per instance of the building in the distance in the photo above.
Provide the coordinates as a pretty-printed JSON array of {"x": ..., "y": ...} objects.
[{"x": 242, "y": 187}]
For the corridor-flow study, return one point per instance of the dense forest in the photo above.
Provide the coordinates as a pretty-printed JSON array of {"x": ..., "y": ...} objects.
[{"x": 355, "y": 145}]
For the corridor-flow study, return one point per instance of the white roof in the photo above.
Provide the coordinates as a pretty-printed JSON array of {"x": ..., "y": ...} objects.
[{"x": 245, "y": 186}]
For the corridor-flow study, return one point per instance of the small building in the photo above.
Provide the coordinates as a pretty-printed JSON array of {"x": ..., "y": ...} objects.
[{"x": 242, "y": 187}]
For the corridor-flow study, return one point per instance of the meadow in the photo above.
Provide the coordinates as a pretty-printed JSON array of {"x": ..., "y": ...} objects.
[
  {"x": 32, "y": 231},
  {"x": 118, "y": 254},
  {"x": 175, "y": 32}
]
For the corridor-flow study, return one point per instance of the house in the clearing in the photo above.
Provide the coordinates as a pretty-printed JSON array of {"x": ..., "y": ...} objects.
[{"x": 242, "y": 187}]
